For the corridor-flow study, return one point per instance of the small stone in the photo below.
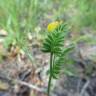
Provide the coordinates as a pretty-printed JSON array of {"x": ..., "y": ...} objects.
[
  {"x": 29, "y": 36},
  {"x": 3, "y": 86},
  {"x": 3, "y": 32}
]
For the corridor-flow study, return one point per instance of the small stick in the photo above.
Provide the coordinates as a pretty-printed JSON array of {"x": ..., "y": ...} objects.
[
  {"x": 15, "y": 81},
  {"x": 30, "y": 86},
  {"x": 84, "y": 88}
]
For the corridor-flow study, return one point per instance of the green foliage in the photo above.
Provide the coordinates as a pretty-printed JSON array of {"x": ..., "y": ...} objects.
[
  {"x": 54, "y": 44},
  {"x": 55, "y": 40},
  {"x": 60, "y": 61}
]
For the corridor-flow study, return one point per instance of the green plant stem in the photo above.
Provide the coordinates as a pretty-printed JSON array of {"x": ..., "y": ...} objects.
[{"x": 50, "y": 77}]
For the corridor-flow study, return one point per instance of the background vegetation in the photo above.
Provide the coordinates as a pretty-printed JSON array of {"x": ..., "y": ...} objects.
[{"x": 22, "y": 16}]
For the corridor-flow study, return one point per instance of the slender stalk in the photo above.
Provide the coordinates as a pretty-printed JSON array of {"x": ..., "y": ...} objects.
[{"x": 50, "y": 77}]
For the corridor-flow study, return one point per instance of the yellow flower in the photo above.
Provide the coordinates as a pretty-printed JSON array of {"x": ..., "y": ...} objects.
[{"x": 52, "y": 26}]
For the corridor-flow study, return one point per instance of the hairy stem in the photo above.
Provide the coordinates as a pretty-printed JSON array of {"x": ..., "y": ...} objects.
[{"x": 50, "y": 77}]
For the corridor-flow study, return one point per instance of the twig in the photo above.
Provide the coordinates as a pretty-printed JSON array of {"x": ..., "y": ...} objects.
[
  {"x": 16, "y": 81},
  {"x": 78, "y": 86},
  {"x": 34, "y": 87},
  {"x": 84, "y": 88}
]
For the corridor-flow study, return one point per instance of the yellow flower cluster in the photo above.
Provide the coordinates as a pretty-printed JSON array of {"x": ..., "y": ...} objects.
[{"x": 52, "y": 26}]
